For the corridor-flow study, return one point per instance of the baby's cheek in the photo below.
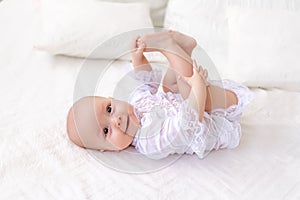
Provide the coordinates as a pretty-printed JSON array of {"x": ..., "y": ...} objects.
[{"x": 120, "y": 140}]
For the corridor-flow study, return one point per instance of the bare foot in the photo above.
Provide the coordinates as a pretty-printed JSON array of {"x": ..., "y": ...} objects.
[
  {"x": 186, "y": 42},
  {"x": 159, "y": 41},
  {"x": 164, "y": 43}
]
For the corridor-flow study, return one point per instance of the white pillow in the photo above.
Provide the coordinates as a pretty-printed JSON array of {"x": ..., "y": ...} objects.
[
  {"x": 264, "y": 47},
  {"x": 292, "y": 5},
  {"x": 157, "y": 9},
  {"x": 77, "y": 27},
  {"x": 206, "y": 21},
  {"x": 245, "y": 30}
]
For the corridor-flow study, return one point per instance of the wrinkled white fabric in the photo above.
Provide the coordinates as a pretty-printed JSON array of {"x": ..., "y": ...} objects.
[{"x": 169, "y": 125}]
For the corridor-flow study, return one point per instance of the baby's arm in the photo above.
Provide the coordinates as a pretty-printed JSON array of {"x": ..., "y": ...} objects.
[{"x": 139, "y": 61}]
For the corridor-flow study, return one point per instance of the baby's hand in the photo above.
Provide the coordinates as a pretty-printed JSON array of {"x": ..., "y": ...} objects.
[
  {"x": 137, "y": 51},
  {"x": 202, "y": 72},
  {"x": 199, "y": 75}
]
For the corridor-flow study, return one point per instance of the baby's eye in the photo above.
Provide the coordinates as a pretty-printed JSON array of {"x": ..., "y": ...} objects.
[
  {"x": 108, "y": 109},
  {"x": 105, "y": 131}
]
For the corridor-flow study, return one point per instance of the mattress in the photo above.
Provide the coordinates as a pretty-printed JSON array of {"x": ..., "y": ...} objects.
[{"x": 39, "y": 162}]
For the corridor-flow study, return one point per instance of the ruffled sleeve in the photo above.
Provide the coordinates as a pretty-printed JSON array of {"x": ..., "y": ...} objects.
[
  {"x": 147, "y": 84},
  {"x": 149, "y": 79}
]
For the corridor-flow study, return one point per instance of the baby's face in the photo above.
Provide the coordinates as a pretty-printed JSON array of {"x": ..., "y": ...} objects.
[{"x": 102, "y": 123}]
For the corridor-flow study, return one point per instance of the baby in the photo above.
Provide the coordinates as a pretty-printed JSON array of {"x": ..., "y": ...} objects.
[{"x": 192, "y": 115}]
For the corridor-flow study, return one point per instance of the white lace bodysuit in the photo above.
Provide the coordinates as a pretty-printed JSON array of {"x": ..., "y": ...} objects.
[{"x": 169, "y": 125}]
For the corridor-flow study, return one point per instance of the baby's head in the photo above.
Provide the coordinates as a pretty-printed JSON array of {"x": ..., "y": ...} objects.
[{"x": 102, "y": 123}]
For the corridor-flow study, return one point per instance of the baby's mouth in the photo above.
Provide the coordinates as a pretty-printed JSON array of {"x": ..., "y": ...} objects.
[
  {"x": 126, "y": 127},
  {"x": 126, "y": 123}
]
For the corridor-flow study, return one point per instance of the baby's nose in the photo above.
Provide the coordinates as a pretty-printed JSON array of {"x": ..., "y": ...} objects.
[{"x": 117, "y": 120}]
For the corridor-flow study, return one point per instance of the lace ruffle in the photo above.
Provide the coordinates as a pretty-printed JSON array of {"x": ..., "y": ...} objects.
[
  {"x": 147, "y": 85},
  {"x": 194, "y": 129},
  {"x": 149, "y": 76},
  {"x": 244, "y": 96}
]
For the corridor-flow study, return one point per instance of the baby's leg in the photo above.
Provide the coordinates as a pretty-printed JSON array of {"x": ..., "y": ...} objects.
[
  {"x": 178, "y": 59},
  {"x": 217, "y": 97},
  {"x": 188, "y": 44}
]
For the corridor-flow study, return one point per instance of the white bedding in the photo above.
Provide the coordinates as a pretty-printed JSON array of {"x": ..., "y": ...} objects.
[{"x": 39, "y": 162}]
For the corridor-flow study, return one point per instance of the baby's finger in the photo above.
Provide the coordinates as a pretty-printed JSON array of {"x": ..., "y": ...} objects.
[
  {"x": 194, "y": 63},
  {"x": 195, "y": 66},
  {"x": 138, "y": 42},
  {"x": 134, "y": 42},
  {"x": 205, "y": 73},
  {"x": 200, "y": 69},
  {"x": 141, "y": 47}
]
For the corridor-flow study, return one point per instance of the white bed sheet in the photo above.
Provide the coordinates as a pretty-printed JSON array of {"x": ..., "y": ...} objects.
[{"x": 39, "y": 162}]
